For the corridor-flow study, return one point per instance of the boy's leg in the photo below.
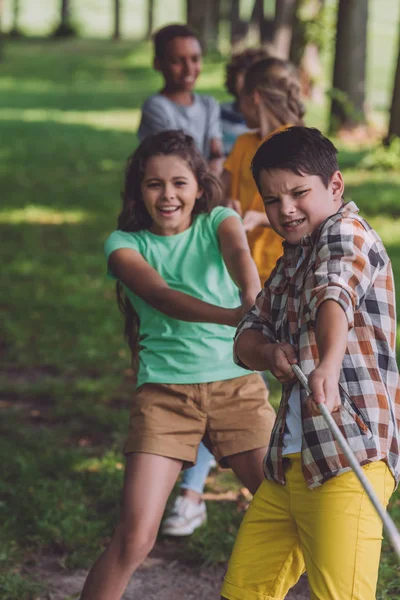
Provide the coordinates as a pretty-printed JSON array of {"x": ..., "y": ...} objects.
[
  {"x": 189, "y": 510},
  {"x": 247, "y": 466},
  {"x": 266, "y": 560},
  {"x": 149, "y": 480},
  {"x": 341, "y": 534}
]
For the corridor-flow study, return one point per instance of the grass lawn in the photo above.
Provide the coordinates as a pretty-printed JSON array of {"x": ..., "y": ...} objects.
[{"x": 68, "y": 116}]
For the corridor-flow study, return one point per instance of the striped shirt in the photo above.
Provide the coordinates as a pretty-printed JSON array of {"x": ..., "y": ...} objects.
[{"x": 343, "y": 260}]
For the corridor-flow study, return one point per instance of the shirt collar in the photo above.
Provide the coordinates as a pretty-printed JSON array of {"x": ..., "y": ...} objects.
[{"x": 292, "y": 253}]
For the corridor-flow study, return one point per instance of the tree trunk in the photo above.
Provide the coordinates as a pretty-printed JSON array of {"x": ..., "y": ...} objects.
[
  {"x": 394, "y": 124},
  {"x": 257, "y": 19},
  {"x": 150, "y": 18},
  {"x": 348, "y": 94},
  {"x": 117, "y": 20},
  {"x": 204, "y": 17},
  {"x": 65, "y": 28},
  {"x": 239, "y": 29},
  {"x": 1, "y": 33},
  {"x": 64, "y": 13},
  {"x": 15, "y": 32},
  {"x": 285, "y": 12},
  {"x": 306, "y": 53}
]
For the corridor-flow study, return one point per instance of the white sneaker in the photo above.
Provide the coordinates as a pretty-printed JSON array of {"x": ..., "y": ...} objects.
[{"x": 185, "y": 517}]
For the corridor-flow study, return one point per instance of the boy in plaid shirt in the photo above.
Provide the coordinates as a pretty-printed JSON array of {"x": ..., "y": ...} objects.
[{"x": 329, "y": 306}]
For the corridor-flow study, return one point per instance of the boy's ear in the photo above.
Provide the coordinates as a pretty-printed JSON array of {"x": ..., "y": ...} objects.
[{"x": 337, "y": 185}]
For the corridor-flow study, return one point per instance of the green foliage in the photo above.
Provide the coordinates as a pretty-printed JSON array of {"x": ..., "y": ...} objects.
[
  {"x": 69, "y": 111},
  {"x": 383, "y": 158},
  {"x": 15, "y": 587}
]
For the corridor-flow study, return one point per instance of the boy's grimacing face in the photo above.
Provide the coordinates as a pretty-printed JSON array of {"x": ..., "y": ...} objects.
[
  {"x": 181, "y": 64},
  {"x": 169, "y": 191},
  {"x": 297, "y": 204}
]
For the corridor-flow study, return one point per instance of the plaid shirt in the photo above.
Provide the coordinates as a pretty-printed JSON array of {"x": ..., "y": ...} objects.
[{"x": 343, "y": 260}]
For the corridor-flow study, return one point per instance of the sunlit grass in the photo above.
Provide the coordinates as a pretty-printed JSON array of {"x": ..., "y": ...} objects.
[
  {"x": 43, "y": 215},
  {"x": 68, "y": 115},
  {"x": 118, "y": 120}
]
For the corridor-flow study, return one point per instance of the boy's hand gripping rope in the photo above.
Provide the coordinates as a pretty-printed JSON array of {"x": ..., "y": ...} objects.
[{"x": 391, "y": 529}]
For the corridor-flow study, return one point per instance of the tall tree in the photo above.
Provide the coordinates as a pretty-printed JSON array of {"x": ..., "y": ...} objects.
[
  {"x": 117, "y": 20},
  {"x": 348, "y": 94},
  {"x": 285, "y": 13},
  {"x": 239, "y": 29},
  {"x": 394, "y": 124},
  {"x": 150, "y": 18},
  {"x": 65, "y": 27},
  {"x": 1, "y": 32},
  {"x": 16, "y": 9},
  {"x": 309, "y": 38},
  {"x": 204, "y": 17}
]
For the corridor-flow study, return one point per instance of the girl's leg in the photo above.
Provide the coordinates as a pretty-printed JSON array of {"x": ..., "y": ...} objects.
[
  {"x": 149, "y": 480},
  {"x": 247, "y": 466}
]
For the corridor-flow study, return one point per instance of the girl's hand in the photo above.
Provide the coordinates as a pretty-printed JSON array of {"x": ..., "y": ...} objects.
[
  {"x": 324, "y": 384},
  {"x": 279, "y": 359},
  {"x": 253, "y": 219},
  {"x": 237, "y": 315},
  {"x": 248, "y": 301},
  {"x": 235, "y": 204}
]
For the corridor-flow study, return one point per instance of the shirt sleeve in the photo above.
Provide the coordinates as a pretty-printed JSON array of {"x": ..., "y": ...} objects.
[
  {"x": 219, "y": 214},
  {"x": 115, "y": 241},
  {"x": 349, "y": 259},
  {"x": 215, "y": 126},
  {"x": 258, "y": 318},
  {"x": 155, "y": 118}
]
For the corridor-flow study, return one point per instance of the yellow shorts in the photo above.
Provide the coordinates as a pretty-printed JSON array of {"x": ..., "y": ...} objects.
[{"x": 332, "y": 531}]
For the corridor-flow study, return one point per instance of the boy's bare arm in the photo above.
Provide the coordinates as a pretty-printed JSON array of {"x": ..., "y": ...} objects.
[
  {"x": 331, "y": 334},
  {"x": 144, "y": 281},
  {"x": 216, "y": 159},
  {"x": 257, "y": 353}
]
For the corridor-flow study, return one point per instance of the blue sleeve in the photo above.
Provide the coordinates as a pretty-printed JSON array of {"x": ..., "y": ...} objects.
[
  {"x": 155, "y": 118},
  {"x": 214, "y": 122},
  {"x": 117, "y": 240}
]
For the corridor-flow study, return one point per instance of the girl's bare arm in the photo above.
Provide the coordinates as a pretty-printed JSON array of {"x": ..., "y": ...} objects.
[
  {"x": 236, "y": 254},
  {"x": 144, "y": 281}
]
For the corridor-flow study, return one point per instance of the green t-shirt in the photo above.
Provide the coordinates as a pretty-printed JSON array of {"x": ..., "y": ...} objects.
[{"x": 173, "y": 351}]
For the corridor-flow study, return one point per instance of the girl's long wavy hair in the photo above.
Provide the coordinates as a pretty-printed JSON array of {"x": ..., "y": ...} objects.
[
  {"x": 278, "y": 84},
  {"x": 134, "y": 215}
]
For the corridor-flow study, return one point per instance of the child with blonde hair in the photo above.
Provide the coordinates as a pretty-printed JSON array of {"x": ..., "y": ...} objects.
[{"x": 269, "y": 100}]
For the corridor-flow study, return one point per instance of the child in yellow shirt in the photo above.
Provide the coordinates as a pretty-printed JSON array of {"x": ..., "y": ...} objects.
[{"x": 269, "y": 100}]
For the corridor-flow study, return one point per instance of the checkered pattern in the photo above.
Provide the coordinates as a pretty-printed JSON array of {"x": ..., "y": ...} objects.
[{"x": 343, "y": 260}]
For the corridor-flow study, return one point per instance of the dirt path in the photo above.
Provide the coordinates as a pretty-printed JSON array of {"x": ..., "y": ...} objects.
[{"x": 159, "y": 578}]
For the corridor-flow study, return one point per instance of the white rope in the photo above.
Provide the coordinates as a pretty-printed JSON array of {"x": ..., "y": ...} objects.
[{"x": 388, "y": 523}]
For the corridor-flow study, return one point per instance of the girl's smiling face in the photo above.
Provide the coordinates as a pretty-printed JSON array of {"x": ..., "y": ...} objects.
[
  {"x": 169, "y": 190},
  {"x": 297, "y": 204}
]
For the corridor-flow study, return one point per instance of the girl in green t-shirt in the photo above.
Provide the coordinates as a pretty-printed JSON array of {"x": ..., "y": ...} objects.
[{"x": 180, "y": 261}]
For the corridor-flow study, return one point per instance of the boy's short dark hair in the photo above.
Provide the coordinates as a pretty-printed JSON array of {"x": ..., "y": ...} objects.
[
  {"x": 302, "y": 150},
  {"x": 163, "y": 36}
]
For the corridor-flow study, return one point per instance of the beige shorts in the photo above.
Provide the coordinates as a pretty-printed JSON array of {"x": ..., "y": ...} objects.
[{"x": 172, "y": 419}]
